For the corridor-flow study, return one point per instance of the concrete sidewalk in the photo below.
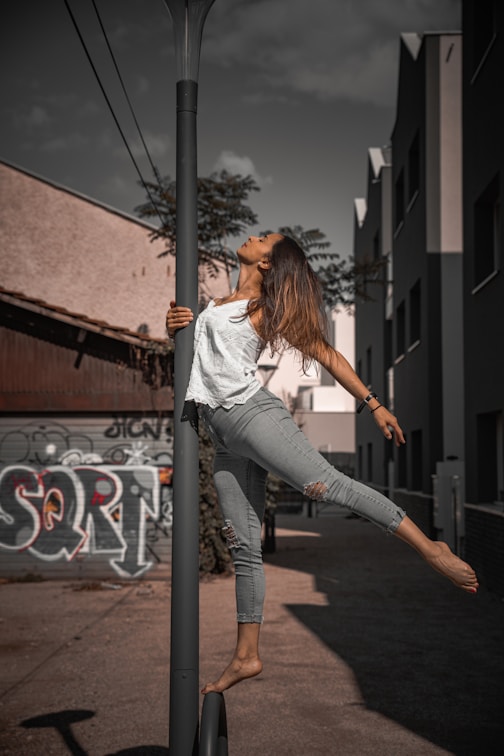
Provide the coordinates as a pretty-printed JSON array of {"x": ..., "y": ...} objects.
[{"x": 366, "y": 651}]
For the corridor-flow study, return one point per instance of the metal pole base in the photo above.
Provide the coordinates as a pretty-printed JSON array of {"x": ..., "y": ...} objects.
[{"x": 213, "y": 732}]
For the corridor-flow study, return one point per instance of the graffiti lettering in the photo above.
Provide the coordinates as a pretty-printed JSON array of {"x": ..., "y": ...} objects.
[
  {"x": 19, "y": 520},
  {"x": 102, "y": 497},
  {"x": 44, "y": 443},
  {"x": 62, "y": 511},
  {"x": 134, "y": 427},
  {"x": 32, "y": 444},
  {"x": 59, "y": 505}
]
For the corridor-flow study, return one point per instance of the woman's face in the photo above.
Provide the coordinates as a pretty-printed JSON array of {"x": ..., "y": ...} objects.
[{"x": 256, "y": 248}]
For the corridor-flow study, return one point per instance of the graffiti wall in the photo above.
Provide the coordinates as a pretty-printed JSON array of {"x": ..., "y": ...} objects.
[{"x": 87, "y": 497}]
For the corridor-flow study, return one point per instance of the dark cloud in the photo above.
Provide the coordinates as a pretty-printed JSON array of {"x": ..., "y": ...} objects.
[
  {"x": 323, "y": 48},
  {"x": 292, "y": 91}
]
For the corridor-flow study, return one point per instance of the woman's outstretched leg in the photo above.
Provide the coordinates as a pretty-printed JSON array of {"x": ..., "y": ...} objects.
[
  {"x": 438, "y": 555},
  {"x": 245, "y": 662}
]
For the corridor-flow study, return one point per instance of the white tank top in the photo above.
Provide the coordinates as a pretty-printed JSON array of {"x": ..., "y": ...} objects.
[{"x": 226, "y": 350}]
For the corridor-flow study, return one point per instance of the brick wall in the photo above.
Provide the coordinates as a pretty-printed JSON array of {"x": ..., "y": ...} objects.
[
  {"x": 419, "y": 507},
  {"x": 484, "y": 546}
]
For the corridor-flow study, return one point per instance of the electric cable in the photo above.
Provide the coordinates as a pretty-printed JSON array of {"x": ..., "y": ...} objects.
[
  {"x": 111, "y": 109},
  {"x": 121, "y": 81}
]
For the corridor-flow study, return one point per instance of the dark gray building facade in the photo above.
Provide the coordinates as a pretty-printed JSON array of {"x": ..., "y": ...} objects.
[
  {"x": 483, "y": 73},
  {"x": 421, "y": 308},
  {"x": 373, "y": 321},
  {"x": 441, "y": 307},
  {"x": 427, "y": 249}
]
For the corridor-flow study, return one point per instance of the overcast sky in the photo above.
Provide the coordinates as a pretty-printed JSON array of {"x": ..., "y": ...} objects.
[{"x": 293, "y": 92}]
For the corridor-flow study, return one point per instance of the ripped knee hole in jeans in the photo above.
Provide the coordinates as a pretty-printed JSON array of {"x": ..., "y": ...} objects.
[
  {"x": 229, "y": 534},
  {"x": 316, "y": 491}
]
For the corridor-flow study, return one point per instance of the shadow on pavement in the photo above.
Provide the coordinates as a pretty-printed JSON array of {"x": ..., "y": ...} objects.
[
  {"x": 62, "y": 721},
  {"x": 424, "y": 654}
]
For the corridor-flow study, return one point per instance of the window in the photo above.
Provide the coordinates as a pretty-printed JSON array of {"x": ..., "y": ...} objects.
[
  {"x": 369, "y": 462},
  {"x": 359, "y": 462},
  {"x": 484, "y": 29},
  {"x": 376, "y": 247},
  {"x": 400, "y": 330},
  {"x": 500, "y": 456},
  {"x": 414, "y": 168},
  {"x": 487, "y": 236},
  {"x": 369, "y": 367},
  {"x": 414, "y": 314},
  {"x": 399, "y": 201},
  {"x": 416, "y": 460},
  {"x": 387, "y": 346},
  {"x": 401, "y": 467},
  {"x": 489, "y": 430},
  {"x": 372, "y": 270}
]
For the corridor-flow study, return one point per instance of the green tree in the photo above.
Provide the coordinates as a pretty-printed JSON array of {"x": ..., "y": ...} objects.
[{"x": 222, "y": 214}]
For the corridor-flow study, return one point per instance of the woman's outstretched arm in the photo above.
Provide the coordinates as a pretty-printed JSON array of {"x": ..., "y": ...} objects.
[{"x": 341, "y": 370}]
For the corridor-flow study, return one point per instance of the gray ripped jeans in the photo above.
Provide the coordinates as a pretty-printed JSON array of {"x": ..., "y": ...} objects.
[{"x": 252, "y": 439}]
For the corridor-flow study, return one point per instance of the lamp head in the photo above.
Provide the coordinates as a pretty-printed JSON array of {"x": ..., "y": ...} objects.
[{"x": 188, "y": 18}]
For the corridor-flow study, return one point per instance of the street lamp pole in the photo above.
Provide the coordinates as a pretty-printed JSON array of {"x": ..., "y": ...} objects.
[{"x": 188, "y": 20}]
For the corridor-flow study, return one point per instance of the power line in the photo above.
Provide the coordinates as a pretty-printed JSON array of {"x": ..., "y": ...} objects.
[
  {"x": 154, "y": 169},
  {"x": 107, "y": 100}
]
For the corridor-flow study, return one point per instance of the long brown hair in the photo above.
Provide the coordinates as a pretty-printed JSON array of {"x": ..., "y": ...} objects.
[{"x": 291, "y": 305}]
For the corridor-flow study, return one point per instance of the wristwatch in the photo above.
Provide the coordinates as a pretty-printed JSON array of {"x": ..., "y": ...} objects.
[{"x": 365, "y": 401}]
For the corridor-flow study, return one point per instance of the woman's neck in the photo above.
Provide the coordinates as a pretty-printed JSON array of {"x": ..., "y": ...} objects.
[{"x": 248, "y": 285}]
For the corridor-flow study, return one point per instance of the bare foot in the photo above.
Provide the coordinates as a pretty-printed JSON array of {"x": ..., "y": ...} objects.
[
  {"x": 238, "y": 670},
  {"x": 448, "y": 564}
]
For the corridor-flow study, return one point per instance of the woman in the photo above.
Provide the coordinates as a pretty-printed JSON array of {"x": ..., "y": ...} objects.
[{"x": 277, "y": 302}]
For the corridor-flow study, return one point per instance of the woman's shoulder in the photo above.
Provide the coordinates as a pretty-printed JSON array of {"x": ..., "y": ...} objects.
[{"x": 224, "y": 301}]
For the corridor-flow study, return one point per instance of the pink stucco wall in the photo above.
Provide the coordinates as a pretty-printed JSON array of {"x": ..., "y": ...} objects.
[{"x": 75, "y": 253}]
